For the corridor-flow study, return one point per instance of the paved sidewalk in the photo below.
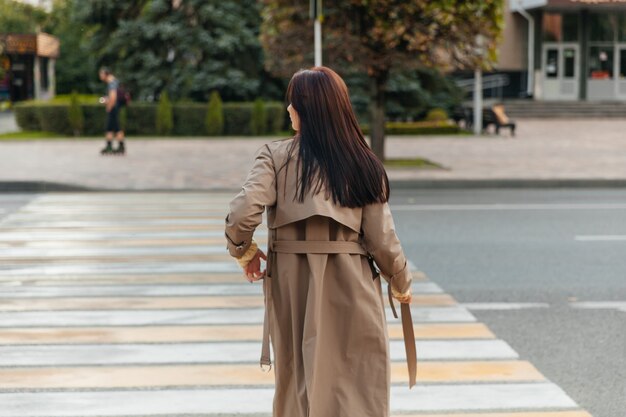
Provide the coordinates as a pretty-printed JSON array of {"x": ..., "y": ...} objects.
[
  {"x": 543, "y": 150},
  {"x": 7, "y": 122}
]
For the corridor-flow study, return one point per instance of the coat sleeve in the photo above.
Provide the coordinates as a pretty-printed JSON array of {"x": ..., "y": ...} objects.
[
  {"x": 246, "y": 209},
  {"x": 380, "y": 240}
]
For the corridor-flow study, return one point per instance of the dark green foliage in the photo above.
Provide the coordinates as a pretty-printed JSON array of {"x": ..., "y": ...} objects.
[
  {"x": 26, "y": 117},
  {"x": 141, "y": 119},
  {"x": 215, "y": 115},
  {"x": 188, "y": 48},
  {"x": 275, "y": 113},
  {"x": 75, "y": 115},
  {"x": 76, "y": 67},
  {"x": 95, "y": 119},
  {"x": 189, "y": 118},
  {"x": 258, "y": 121},
  {"x": 54, "y": 118},
  {"x": 164, "y": 116},
  {"x": 17, "y": 17},
  {"x": 237, "y": 118}
]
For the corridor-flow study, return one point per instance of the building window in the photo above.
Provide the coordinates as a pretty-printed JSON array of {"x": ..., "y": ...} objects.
[
  {"x": 560, "y": 27},
  {"x": 602, "y": 27},
  {"x": 601, "y": 62},
  {"x": 43, "y": 73},
  {"x": 552, "y": 63}
]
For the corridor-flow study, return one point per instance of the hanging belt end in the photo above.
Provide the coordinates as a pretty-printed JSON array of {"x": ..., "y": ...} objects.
[{"x": 266, "y": 362}]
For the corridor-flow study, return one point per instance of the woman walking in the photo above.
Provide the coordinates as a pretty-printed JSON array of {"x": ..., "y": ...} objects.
[{"x": 326, "y": 196}]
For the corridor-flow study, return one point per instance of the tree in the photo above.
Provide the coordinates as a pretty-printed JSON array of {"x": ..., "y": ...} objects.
[
  {"x": 258, "y": 121},
  {"x": 20, "y": 18},
  {"x": 187, "y": 47},
  {"x": 215, "y": 115},
  {"x": 164, "y": 115},
  {"x": 75, "y": 114},
  {"x": 378, "y": 36},
  {"x": 76, "y": 67}
]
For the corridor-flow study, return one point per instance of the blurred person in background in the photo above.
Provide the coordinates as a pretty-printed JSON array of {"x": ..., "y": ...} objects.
[{"x": 113, "y": 101}]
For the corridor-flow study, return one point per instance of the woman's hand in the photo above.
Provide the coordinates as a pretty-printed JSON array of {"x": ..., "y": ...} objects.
[
  {"x": 253, "y": 269},
  {"x": 402, "y": 298}
]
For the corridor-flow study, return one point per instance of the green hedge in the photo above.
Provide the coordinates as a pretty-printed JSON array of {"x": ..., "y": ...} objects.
[
  {"x": 189, "y": 118},
  {"x": 424, "y": 127}
]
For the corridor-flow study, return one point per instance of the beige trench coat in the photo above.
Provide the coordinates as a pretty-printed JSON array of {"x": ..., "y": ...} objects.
[{"x": 324, "y": 311}]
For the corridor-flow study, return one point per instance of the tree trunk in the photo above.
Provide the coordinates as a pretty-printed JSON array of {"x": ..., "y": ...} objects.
[{"x": 378, "y": 86}]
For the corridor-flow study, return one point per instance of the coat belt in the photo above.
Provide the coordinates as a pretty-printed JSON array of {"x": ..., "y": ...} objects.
[{"x": 332, "y": 247}]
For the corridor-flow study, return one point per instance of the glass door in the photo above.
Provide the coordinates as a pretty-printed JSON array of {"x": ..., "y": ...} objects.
[
  {"x": 560, "y": 71},
  {"x": 621, "y": 72}
]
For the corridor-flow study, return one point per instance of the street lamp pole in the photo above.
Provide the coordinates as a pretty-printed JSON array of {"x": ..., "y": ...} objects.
[
  {"x": 316, "y": 14},
  {"x": 478, "y": 89}
]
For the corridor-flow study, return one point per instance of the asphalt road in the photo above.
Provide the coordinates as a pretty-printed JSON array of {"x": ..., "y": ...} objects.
[
  {"x": 553, "y": 248},
  {"x": 527, "y": 263}
]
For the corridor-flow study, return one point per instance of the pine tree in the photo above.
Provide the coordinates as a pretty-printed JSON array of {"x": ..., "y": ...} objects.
[
  {"x": 215, "y": 115},
  {"x": 258, "y": 121},
  {"x": 164, "y": 116},
  {"x": 75, "y": 114}
]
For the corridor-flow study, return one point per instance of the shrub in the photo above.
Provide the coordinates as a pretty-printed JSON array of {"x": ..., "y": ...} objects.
[
  {"x": 54, "y": 118},
  {"x": 258, "y": 121},
  {"x": 26, "y": 116},
  {"x": 190, "y": 119},
  {"x": 275, "y": 113},
  {"x": 437, "y": 114},
  {"x": 141, "y": 119},
  {"x": 95, "y": 119},
  {"x": 418, "y": 128},
  {"x": 215, "y": 115},
  {"x": 75, "y": 115},
  {"x": 164, "y": 115}
]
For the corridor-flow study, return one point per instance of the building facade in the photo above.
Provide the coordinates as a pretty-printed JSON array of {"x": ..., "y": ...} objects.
[
  {"x": 27, "y": 62},
  {"x": 565, "y": 49}
]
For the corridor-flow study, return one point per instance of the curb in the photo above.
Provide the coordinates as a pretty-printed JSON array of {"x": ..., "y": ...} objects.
[{"x": 46, "y": 186}]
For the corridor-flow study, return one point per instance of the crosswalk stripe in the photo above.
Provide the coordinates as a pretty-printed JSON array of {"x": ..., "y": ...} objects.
[
  {"x": 119, "y": 268},
  {"x": 506, "y": 414},
  {"x": 242, "y": 375},
  {"x": 189, "y": 316},
  {"x": 119, "y": 290},
  {"x": 80, "y": 235},
  {"x": 207, "y": 333},
  {"x": 530, "y": 396},
  {"x": 223, "y": 352},
  {"x": 120, "y": 304},
  {"x": 190, "y": 302}
]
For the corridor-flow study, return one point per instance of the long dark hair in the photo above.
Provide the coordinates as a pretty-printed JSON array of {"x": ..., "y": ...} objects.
[{"x": 332, "y": 151}]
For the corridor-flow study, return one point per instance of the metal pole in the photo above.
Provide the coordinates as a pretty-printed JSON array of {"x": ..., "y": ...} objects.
[
  {"x": 318, "y": 41},
  {"x": 531, "y": 50},
  {"x": 478, "y": 101}
]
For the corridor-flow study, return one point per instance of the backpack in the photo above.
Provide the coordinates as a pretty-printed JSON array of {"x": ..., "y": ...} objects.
[{"x": 123, "y": 96}]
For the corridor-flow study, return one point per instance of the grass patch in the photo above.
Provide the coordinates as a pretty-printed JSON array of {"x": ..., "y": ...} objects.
[
  {"x": 412, "y": 163},
  {"x": 27, "y": 135}
]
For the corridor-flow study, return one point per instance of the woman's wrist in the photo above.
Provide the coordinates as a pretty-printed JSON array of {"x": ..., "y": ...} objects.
[{"x": 245, "y": 259}]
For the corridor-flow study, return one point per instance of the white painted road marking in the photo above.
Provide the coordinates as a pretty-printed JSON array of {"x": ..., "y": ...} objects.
[
  {"x": 497, "y": 206},
  {"x": 503, "y": 306},
  {"x": 453, "y": 314},
  {"x": 600, "y": 238},
  {"x": 488, "y": 397},
  {"x": 222, "y": 352},
  {"x": 617, "y": 305},
  {"x": 130, "y": 290}
]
